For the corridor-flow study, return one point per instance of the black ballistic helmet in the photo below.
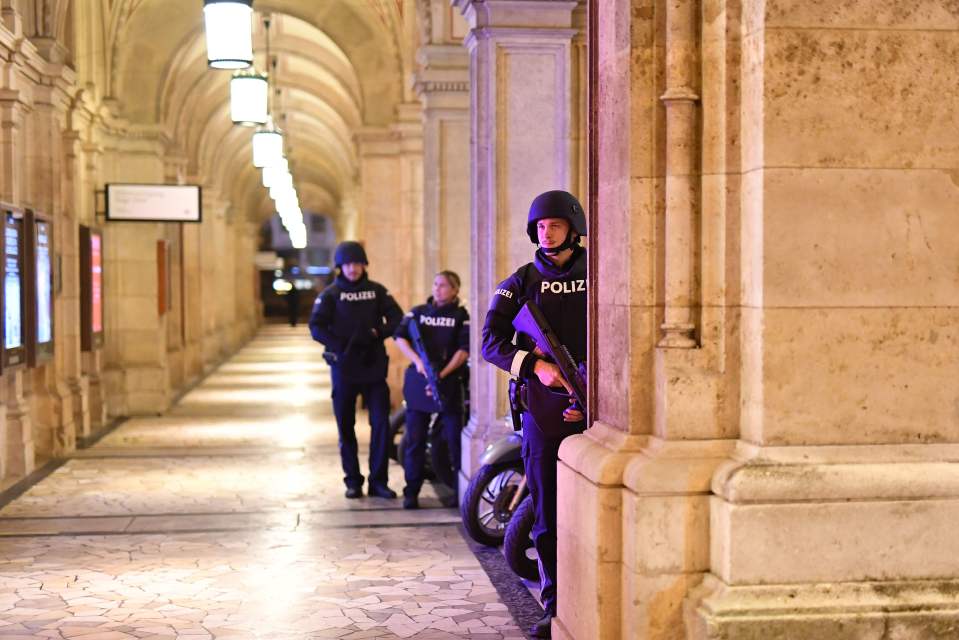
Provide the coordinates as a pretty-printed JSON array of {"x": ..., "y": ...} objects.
[
  {"x": 349, "y": 251},
  {"x": 556, "y": 204}
]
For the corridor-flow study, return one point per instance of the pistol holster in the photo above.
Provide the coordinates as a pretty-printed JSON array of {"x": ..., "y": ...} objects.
[{"x": 517, "y": 402}]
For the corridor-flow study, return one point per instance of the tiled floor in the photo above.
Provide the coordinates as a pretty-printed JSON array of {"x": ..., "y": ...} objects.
[{"x": 226, "y": 519}]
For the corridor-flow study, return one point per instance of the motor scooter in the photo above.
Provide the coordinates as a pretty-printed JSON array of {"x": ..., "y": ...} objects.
[{"x": 495, "y": 491}]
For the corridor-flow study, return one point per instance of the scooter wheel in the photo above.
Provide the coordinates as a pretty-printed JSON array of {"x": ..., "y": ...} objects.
[
  {"x": 484, "y": 508},
  {"x": 518, "y": 545}
]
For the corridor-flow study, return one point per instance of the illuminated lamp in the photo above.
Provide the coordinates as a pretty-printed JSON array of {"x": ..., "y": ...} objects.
[
  {"x": 267, "y": 146},
  {"x": 283, "y": 194},
  {"x": 229, "y": 33},
  {"x": 249, "y": 96},
  {"x": 272, "y": 172}
]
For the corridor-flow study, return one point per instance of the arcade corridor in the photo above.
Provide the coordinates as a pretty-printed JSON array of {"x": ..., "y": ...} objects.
[{"x": 224, "y": 518}]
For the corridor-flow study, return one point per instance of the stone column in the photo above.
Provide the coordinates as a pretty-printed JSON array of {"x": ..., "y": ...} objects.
[
  {"x": 226, "y": 277},
  {"x": 211, "y": 239},
  {"x": 634, "y": 505},
  {"x": 18, "y": 445},
  {"x": 53, "y": 402},
  {"x": 391, "y": 216},
  {"x": 175, "y": 166},
  {"x": 835, "y": 517},
  {"x": 136, "y": 376},
  {"x": 19, "y": 458},
  {"x": 247, "y": 294},
  {"x": 92, "y": 362},
  {"x": 442, "y": 84},
  {"x": 193, "y": 300},
  {"x": 521, "y": 73},
  {"x": 69, "y": 311}
]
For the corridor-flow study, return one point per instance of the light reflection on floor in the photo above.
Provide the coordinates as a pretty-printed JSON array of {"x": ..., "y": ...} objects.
[{"x": 225, "y": 519}]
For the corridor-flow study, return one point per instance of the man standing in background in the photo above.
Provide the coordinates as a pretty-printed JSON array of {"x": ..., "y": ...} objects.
[{"x": 351, "y": 318}]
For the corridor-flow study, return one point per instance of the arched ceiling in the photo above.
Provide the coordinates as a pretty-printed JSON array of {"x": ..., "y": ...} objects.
[{"x": 340, "y": 68}]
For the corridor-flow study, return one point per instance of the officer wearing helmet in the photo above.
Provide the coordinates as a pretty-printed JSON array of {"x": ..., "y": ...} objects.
[
  {"x": 351, "y": 318},
  {"x": 556, "y": 282}
]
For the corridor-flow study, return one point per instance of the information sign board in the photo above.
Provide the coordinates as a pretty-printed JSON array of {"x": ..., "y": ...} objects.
[{"x": 153, "y": 203}]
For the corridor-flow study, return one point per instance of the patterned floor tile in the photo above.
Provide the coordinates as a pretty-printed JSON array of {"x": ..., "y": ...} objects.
[{"x": 225, "y": 519}]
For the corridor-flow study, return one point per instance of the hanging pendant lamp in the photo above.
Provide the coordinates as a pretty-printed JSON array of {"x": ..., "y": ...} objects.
[
  {"x": 267, "y": 145},
  {"x": 249, "y": 91},
  {"x": 229, "y": 33},
  {"x": 274, "y": 171}
]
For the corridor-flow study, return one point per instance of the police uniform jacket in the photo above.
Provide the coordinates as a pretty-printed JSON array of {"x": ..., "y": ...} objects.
[
  {"x": 342, "y": 318},
  {"x": 560, "y": 293},
  {"x": 445, "y": 330}
]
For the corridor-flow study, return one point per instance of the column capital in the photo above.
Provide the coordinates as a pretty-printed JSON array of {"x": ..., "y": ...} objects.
[
  {"x": 523, "y": 14},
  {"x": 376, "y": 141},
  {"x": 442, "y": 80}
]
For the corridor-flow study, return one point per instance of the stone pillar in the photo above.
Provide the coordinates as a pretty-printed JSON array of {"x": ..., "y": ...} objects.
[
  {"x": 92, "y": 362},
  {"x": 193, "y": 329},
  {"x": 247, "y": 289},
  {"x": 68, "y": 313},
  {"x": 390, "y": 193},
  {"x": 521, "y": 74},
  {"x": 135, "y": 345},
  {"x": 781, "y": 274},
  {"x": 634, "y": 505},
  {"x": 15, "y": 107},
  {"x": 225, "y": 278},
  {"x": 835, "y": 517},
  {"x": 391, "y": 216},
  {"x": 442, "y": 84},
  {"x": 53, "y": 402},
  {"x": 212, "y": 314},
  {"x": 175, "y": 169},
  {"x": 19, "y": 458}
]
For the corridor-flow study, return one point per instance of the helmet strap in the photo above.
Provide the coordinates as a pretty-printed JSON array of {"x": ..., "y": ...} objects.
[{"x": 570, "y": 242}]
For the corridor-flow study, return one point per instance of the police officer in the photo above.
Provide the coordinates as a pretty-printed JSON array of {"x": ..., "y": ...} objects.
[
  {"x": 352, "y": 317},
  {"x": 556, "y": 282},
  {"x": 445, "y": 329}
]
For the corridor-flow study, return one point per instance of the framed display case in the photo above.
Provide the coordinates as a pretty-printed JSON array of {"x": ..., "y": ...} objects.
[
  {"x": 38, "y": 251},
  {"x": 14, "y": 294},
  {"x": 91, "y": 288}
]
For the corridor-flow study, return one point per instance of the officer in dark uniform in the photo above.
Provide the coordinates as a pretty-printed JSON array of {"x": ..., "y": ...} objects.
[
  {"x": 556, "y": 282},
  {"x": 445, "y": 328},
  {"x": 352, "y": 317}
]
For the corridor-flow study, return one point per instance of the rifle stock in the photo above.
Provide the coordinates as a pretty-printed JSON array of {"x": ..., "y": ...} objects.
[
  {"x": 432, "y": 379},
  {"x": 531, "y": 322}
]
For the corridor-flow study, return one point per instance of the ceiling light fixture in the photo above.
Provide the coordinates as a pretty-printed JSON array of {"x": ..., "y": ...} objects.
[{"x": 229, "y": 33}]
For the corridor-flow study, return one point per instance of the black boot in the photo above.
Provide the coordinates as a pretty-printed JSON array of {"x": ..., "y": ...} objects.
[
  {"x": 354, "y": 492},
  {"x": 382, "y": 491},
  {"x": 543, "y": 627},
  {"x": 411, "y": 502}
]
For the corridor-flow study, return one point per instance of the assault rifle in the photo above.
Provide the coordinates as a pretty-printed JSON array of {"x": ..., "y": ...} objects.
[
  {"x": 432, "y": 379},
  {"x": 531, "y": 322}
]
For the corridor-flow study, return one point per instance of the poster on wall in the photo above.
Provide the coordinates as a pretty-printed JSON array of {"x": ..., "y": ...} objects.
[
  {"x": 96, "y": 280},
  {"x": 13, "y": 307},
  {"x": 39, "y": 256},
  {"x": 91, "y": 289}
]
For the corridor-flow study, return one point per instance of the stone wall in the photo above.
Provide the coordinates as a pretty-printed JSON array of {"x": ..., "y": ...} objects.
[
  {"x": 774, "y": 295},
  {"x": 63, "y": 139}
]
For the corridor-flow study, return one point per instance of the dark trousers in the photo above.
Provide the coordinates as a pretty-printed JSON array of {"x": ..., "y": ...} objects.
[
  {"x": 377, "y": 397},
  {"x": 417, "y": 433},
  {"x": 540, "y": 455}
]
